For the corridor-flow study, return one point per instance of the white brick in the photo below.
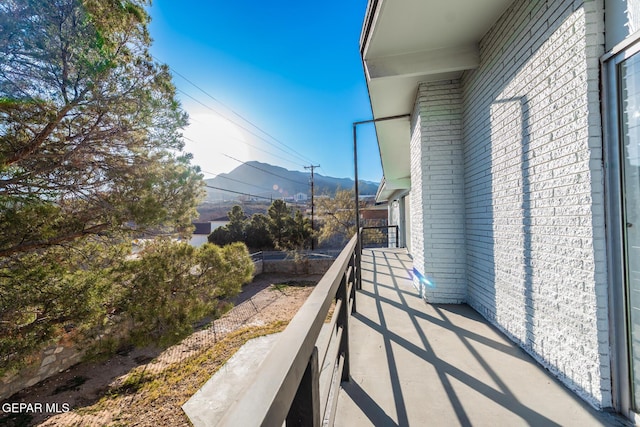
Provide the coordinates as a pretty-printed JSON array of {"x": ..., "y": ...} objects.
[
  {"x": 534, "y": 193},
  {"x": 437, "y": 192}
]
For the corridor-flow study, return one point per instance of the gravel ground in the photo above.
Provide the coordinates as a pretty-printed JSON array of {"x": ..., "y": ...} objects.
[{"x": 82, "y": 387}]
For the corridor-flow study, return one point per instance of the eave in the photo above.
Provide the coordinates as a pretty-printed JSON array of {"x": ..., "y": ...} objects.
[{"x": 404, "y": 43}]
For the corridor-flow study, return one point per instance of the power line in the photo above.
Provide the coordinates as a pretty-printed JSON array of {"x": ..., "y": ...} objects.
[
  {"x": 289, "y": 150},
  {"x": 260, "y": 169},
  {"x": 239, "y": 125},
  {"x": 237, "y": 180},
  {"x": 244, "y": 194},
  {"x": 253, "y": 166},
  {"x": 237, "y": 114},
  {"x": 238, "y": 192},
  {"x": 253, "y": 146}
]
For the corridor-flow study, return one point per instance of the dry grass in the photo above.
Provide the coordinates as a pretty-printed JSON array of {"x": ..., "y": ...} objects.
[
  {"x": 152, "y": 394},
  {"x": 147, "y": 398},
  {"x": 154, "y": 398}
]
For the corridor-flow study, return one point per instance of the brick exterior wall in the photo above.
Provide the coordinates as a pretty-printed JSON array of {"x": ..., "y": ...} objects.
[
  {"x": 416, "y": 199},
  {"x": 437, "y": 194},
  {"x": 534, "y": 191}
]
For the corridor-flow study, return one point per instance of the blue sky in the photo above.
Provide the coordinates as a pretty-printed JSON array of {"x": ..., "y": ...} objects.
[{"x": 291, "y": 68}]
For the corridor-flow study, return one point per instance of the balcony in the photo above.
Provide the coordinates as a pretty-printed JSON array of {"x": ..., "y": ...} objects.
[
  {"x": 377, "y": 354},
  {"x": 414, "y": 363}
]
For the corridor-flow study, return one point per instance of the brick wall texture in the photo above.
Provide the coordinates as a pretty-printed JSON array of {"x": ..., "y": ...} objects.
[
  {"x": 508, "y": 189},
  {"x": 437, "y": 163}
]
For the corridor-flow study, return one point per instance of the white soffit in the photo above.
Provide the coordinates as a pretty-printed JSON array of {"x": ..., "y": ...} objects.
[
  {"x": 405, "y": 42},
  {"x": 410, "y": 26}
]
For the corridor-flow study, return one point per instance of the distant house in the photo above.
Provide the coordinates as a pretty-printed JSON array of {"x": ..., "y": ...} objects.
[
  {"x": 203, "y": 229},
  {"x": 200, "y": 234},
  {"x": 300, "y": 197},
  {"x": 514, "y": 171},
  {"x": 374, "y": 215}
]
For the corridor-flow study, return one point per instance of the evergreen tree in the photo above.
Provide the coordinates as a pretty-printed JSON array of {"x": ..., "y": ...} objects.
[
  {"x": 221, "y": 236},
  {"x": 279, "y": 229},
  {"x": 237, "y": 224},
  {"x": 257, "y": 233},
  {"x": 234, "y": 231},
  {"x": 89, "y": 126},
  {"x": 279, "y": 221},
  {"x": 90, "y": 152},
  {"x": 299, "y": 232}
]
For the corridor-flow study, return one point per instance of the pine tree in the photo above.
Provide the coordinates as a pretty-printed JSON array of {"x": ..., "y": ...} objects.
[{"x": 89, "y": 126}]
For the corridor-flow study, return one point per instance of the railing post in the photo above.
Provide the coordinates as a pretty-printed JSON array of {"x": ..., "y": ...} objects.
[
  {"x": 287, "y": 387},
  {"x": 343, "y": 320},
  {"x": 352, "y": 279},
  {"x": 358, "y": 263},
  {"x": 397, "y": 237},
  {"x": 305, "y": 408}
]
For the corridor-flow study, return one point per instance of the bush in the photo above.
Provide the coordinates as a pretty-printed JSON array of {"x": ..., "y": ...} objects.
[
  {"x": 93, "y": 288},
  {"x": 280, "y": 229},
  {"x": 172, "y": 285},
  {"x": 42, "y": 295}
]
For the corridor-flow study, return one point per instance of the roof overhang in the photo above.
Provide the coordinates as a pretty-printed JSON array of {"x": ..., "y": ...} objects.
[
  {"x": 406, "y": 42},
  {"x": 391, "y": 191}
]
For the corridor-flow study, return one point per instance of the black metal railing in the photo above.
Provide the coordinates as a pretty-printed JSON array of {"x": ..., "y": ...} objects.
[
  {"x": 380, "y": 237},
  {"x": 257, "y": 256},
  {"x": 300, "y": 377}
]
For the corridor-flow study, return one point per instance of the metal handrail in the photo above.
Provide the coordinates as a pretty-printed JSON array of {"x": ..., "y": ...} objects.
[
  {"x": 386, "y": 232},
  {"x": 257, "y": 256},
  {"x": 287, "y": 387}
]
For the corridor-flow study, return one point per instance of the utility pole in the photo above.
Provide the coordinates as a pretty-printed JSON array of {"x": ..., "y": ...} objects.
[{"x": 312, "y": 167}]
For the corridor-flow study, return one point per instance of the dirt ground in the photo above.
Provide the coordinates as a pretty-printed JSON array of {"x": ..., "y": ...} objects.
[{"x": 87, "y": 394}]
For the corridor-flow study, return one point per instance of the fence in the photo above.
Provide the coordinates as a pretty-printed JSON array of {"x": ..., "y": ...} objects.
[
  {"x": 303, "y": 262},
  {"x": 299, "y": 379},
  {"x": 380, "y": 237}
]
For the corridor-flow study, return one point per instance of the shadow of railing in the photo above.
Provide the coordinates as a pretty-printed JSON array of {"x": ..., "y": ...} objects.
[{"x": 447, "y": 373}]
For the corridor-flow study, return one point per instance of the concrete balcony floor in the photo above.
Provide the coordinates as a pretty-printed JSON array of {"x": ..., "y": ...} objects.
[{"x": 416, "y": 364}]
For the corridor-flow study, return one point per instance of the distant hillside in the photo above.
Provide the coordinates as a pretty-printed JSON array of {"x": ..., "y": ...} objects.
[{"x": 265, "y": 180}]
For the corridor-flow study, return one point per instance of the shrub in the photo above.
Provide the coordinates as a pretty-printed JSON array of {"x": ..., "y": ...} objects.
[
  {"x": 93, "y": 289},
  {"x": 60, "y": 289},
  {"x": 172, "y": 285}
]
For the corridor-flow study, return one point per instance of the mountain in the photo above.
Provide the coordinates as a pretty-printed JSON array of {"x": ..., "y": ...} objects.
[{"x": 272, "y": 182}]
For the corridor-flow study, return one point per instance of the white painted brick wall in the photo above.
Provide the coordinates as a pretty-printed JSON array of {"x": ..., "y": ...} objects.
[
  {"x": 534, "y": 212},
  {"x": 406, "y": 213},
  {"x": 416, "y": 199},
  {"x": 437, "y": 194}
]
